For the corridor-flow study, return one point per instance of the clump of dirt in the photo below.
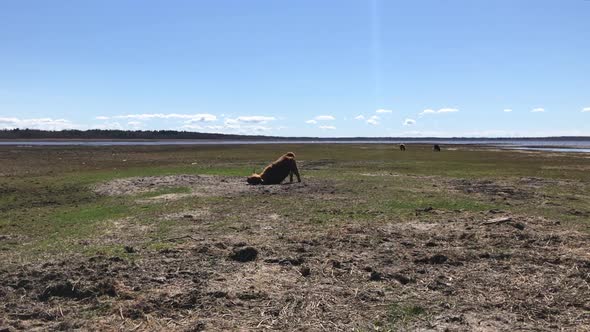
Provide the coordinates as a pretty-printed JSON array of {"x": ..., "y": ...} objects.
[
  {"x": 435, "y": 259},
  {"x": 305, "y": 271},
  {"x": 188, "y": 215},
  {"x": 491, "y": 189},
  {"x": 67, "y": 289},
  {"x": 243, "y": 255}
]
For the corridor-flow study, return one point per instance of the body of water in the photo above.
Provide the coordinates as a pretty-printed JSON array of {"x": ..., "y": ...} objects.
[{"x": 520, "y": 144}]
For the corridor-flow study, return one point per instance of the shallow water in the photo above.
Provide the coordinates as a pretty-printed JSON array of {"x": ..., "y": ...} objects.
[
  {"x": 549, "y": 149},
  {"x": 581, "y": 145}
]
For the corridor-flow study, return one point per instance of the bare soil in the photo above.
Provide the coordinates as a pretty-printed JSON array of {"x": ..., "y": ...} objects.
[{"x": 205, "y": 185}]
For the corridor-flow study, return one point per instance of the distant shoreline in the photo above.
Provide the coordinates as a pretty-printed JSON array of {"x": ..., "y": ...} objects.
[
  {"x": 172, "y": 135},
  {"x": 533, "y": 144}
]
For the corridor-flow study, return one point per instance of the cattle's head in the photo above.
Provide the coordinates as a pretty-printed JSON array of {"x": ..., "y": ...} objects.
[{"x": 254, "y": 179}]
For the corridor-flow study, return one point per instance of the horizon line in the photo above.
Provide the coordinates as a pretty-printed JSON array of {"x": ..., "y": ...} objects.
[{"x": 267, "y": 136}]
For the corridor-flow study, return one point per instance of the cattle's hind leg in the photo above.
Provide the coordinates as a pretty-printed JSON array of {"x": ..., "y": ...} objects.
[{"x": 295, "y": 170}]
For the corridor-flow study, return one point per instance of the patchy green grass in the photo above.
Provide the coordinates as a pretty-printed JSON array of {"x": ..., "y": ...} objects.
[
  {"x": 47, "y": 198},
  {"x": 400, "y": 314},
  {"x": 87, "y": 214}
]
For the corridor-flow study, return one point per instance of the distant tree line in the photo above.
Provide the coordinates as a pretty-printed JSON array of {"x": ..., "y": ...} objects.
[
  {"x": 173, "y": 134},
  {"x": 116, "y": 134}
]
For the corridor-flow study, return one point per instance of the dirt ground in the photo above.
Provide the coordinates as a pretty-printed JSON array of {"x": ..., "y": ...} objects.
[{"x": 203, "y": 185}]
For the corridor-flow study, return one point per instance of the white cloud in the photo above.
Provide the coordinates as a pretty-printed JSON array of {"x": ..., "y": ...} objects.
[
  {"x": 149, "y": 116},
  {"x": 409, "y": 122},
  {"x": 324, "y": 118},
  {"x": 442, "y": 110},
  {"x": 448, "y": 110},
  {"x": 255, "y": 119},
  {"x": 9, "y": 120},
  {"x": 202, "y": 118},
  {"x": 538, "y": 110},
  {"x": 491, "y": 133},
  {"x": 145, "y": 116},
  {"x": 586, "y": 109},
  {"x": 507, "y": 110},
  {"x": 230, "y": 128},
  {"x": 249, "y": 119},
  {"x": 320, "y": 118},
  {"x": 243, "y": 125},
  {"x": 383, "y": 111},
  {"x": 373, "y": 120},
  {"x": 246, "y": 122},
  {"x": 102, "y": 118},
  {"x": 39, "y": 123},
  {"x": 327, "y": 127},
  {"x": 359, "y": 117}
]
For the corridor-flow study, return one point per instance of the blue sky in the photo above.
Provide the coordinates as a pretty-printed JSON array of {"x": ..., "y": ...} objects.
[{"x": 298, "y": 68}]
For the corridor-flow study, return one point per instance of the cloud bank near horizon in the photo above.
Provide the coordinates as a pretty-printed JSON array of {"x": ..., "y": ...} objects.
[{"x": 382, "y": 119}]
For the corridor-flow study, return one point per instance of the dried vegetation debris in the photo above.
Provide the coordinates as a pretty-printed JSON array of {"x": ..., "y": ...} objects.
[{"x": 459, "y": 274}]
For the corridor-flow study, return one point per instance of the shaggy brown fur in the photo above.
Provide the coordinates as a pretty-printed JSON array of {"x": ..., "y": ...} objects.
[
  {"x": 402, "y": 147},
  {"x": 276, "y": 172},
  {"x": 436, "y": 147}
]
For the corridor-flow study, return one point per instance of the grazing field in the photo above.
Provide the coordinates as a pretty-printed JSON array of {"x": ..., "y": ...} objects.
[{"x": 172, "y": 238}]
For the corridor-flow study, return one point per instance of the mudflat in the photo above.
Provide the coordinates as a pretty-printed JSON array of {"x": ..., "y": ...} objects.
[{"x": 374, "y": 239}]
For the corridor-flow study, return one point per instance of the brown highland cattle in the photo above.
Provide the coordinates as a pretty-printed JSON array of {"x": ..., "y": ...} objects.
[{"x": 276, "y": 172}]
